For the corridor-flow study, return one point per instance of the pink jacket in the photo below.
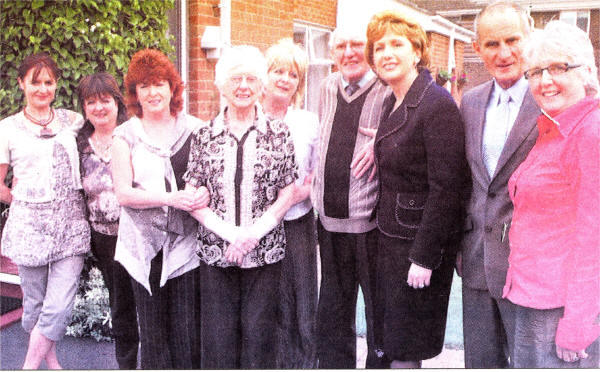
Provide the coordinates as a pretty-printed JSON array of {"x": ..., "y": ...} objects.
[{"x": 555, "y": 232}]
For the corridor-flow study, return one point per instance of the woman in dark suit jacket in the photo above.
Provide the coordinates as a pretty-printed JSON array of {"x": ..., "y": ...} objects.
[{"x": 419, "y": 150}]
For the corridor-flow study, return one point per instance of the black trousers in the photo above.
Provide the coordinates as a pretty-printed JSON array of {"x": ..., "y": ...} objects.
[
  {"x": 239, "y": 316},
  {"x": 122, "y": 303},
  {"x": 168, "y": 325},
  {"x": 299, "y": 295},
  {"x": 347, "y": 260}
]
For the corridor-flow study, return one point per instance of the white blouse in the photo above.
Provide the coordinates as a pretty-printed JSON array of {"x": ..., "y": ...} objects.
[{"x": 31, "y": 155}]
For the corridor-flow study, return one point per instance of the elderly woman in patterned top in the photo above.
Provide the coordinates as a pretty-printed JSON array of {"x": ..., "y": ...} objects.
[
  {"x": 247, "y": 163},
  {"x": 47, "y": 234},
  {"x": 104, "y": 108},
  {"x": 156, "y": 239}
]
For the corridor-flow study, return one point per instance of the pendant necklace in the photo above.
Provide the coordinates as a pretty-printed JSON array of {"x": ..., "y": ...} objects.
[{"x": 45, "y": 132}]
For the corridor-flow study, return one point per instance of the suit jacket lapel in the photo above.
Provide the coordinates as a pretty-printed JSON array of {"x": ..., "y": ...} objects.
[
  {"x": 524, "y": 124},
  {"x": 478, "y": 124}
]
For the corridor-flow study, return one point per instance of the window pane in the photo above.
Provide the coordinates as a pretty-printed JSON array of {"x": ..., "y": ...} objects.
[
  {"x": 320, "y": 43},
  {"x": 316, "y": 74},
  {"x": 583, "y": 20}
]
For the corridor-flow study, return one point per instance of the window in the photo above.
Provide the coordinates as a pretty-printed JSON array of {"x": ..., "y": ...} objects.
[
  {"x": 316, "y": 43},
  {"x": 579, "y": 18},
  {"x": 177, "y": 26}
]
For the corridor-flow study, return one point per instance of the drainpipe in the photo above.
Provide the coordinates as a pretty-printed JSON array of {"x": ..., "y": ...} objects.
[{"x": 225, "y": 7}]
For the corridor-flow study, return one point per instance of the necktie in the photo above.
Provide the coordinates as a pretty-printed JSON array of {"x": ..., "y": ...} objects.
[
  {"x": 351, "y": 88},
  {"x": 496, "y": 132}
]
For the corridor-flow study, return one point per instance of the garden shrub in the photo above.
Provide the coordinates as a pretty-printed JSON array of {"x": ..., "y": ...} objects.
[{"x": 83, "y": 36}]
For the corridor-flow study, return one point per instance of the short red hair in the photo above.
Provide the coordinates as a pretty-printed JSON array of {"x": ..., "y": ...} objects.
[{"x": 151, "y": 66}]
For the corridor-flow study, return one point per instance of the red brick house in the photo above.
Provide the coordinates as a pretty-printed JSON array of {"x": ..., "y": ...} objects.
[{"x": 202, "y": 27}]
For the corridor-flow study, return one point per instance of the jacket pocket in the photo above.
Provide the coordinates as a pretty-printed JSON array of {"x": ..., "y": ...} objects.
[{"x": 408, "y": 212}]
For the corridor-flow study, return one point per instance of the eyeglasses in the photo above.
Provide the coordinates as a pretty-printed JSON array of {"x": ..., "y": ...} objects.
[
  {"x": 554, "y": 70},
  {"x": 237, "y": 79}
]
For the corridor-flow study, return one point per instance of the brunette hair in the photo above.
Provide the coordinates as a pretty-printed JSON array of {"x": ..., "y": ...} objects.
[
  {"x": 285, "y": 53},
  {"x": 98, "y": 85},
  {"x": 151, "y": 66},
  {"x": 390, "y": 20},
  {"x": 38, "y": 62}
]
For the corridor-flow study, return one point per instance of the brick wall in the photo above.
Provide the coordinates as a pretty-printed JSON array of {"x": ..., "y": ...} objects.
[
  {"x": 255, "y": 22},
  {"x": 203, "y": 98}
]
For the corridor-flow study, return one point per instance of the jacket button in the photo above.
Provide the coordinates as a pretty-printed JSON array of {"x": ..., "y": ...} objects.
[
  {"x": 488, "y": 229},
  {"x": 492, "y": 194},
  {"x": 411, "y": 203}
]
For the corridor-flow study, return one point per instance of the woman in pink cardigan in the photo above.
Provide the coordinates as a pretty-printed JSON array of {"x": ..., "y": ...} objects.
[{"x": 554, "y": 263}]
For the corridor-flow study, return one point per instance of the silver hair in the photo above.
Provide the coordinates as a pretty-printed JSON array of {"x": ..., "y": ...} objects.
[
  {"x": 348, "y": 31},
  {"x": 526, "y": 20},
  {"x": 240, "y": 55},
  {"x": 561, "y": 39}
]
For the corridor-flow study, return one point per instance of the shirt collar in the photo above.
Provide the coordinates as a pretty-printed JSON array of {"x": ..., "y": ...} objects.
[
  {"x": 260, "y": 121},
  {"x": 361, "y": 83},
  {"x": 516, "y": 92},
  {"x": 567, "y": 120}
]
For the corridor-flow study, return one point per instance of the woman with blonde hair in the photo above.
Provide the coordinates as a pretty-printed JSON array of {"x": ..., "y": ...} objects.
[{"x": 283, "y": 98}]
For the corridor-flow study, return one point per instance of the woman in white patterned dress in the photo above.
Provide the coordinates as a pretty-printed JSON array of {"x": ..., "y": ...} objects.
[{"x": 46, "y": 234}]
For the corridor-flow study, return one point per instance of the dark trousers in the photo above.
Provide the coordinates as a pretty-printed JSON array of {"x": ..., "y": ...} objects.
[
  {"x": 299, "y": 293},
  {"x": 488, "y": 329},
  {"x": 239, "y": 316},
  {"x": 168, "y": 326},
  {"x": 347, "y": 260},
  {"x": 122, "y": 304}
]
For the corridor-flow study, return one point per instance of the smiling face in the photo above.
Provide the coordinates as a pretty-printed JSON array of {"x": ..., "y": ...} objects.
[
  {"x": 555, "y": 93},
  {"x": 242, "y": 88},
  {"x": 348, "y": 54},
  {"x": 282, "y": 83},
  {"x": 395, "y": 58},
  {"x": 500, "y": 45},
  {"x": 101, "y": 111},
  {"x": 39, "y": 92},
  {"x": 154, "y": 97}
]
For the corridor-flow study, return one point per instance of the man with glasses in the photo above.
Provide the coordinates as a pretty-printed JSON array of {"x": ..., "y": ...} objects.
[
  {"x": 500, "y": 127},
  {"x": 344, "y": 193}
]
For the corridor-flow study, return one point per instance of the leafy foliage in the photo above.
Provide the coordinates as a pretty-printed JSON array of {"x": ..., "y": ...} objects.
[
  {"x": 91, "y": 311},
  {"x": 83, "y": 36}
]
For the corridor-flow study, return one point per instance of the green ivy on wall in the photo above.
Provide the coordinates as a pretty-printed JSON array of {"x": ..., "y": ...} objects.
[{"x": 83, "y": 37}]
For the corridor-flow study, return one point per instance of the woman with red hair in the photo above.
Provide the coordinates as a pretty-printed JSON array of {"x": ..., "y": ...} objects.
[{"x": 156, "y": 239}]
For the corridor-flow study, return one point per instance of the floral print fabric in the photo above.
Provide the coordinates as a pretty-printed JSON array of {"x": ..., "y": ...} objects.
[{"x": 243, "y": 177}]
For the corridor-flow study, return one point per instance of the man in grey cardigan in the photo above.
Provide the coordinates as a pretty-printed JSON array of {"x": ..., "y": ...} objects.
[
  {"x": 344, "y": 194},
  {"x": 500, "y": 128}
]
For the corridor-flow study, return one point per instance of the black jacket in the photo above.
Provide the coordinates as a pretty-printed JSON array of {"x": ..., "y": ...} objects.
[{"x": 420, "y": 157}]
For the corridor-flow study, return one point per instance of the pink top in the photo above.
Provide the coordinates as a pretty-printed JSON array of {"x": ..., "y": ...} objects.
[{"x": 555, "y": 233}]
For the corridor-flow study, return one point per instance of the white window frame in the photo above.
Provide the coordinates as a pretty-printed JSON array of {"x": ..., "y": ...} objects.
[
  {"x": 181, "y": 43},
  {"x": 313, "y": 59},
  {"x": 570, "y": 16}
]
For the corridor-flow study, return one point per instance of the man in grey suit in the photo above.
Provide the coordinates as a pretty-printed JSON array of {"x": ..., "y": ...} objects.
[{"x": 500, "y": 128}]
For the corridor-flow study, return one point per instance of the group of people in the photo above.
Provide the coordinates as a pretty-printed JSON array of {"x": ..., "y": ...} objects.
[{"x": 205, "y": 232}]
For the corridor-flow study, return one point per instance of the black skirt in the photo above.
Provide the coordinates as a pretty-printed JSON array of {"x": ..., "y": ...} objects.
[{"x": 413, "y": 320}]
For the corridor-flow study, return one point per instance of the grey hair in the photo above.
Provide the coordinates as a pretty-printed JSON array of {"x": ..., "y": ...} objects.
[
  {"x": 240, "y": 55},
  {"x": 348, "y": 31},
  {"x": 561, "y": 39},
  {"x": 526, "y": 20}
]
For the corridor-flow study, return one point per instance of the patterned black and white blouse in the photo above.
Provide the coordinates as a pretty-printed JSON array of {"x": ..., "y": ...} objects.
[{"x": 243, "y": 177}]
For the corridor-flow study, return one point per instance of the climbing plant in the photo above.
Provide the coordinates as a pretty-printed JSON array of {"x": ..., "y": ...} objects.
[{"x": 83, "y": 36}]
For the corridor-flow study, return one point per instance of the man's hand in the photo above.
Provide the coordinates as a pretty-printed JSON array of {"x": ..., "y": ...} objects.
[{"x": 365, "y": 158}]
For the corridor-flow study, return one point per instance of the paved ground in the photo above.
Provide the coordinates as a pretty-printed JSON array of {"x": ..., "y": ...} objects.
[
  {"x": 73, "y": 353},
  {"x": 85, "y": 353}
]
